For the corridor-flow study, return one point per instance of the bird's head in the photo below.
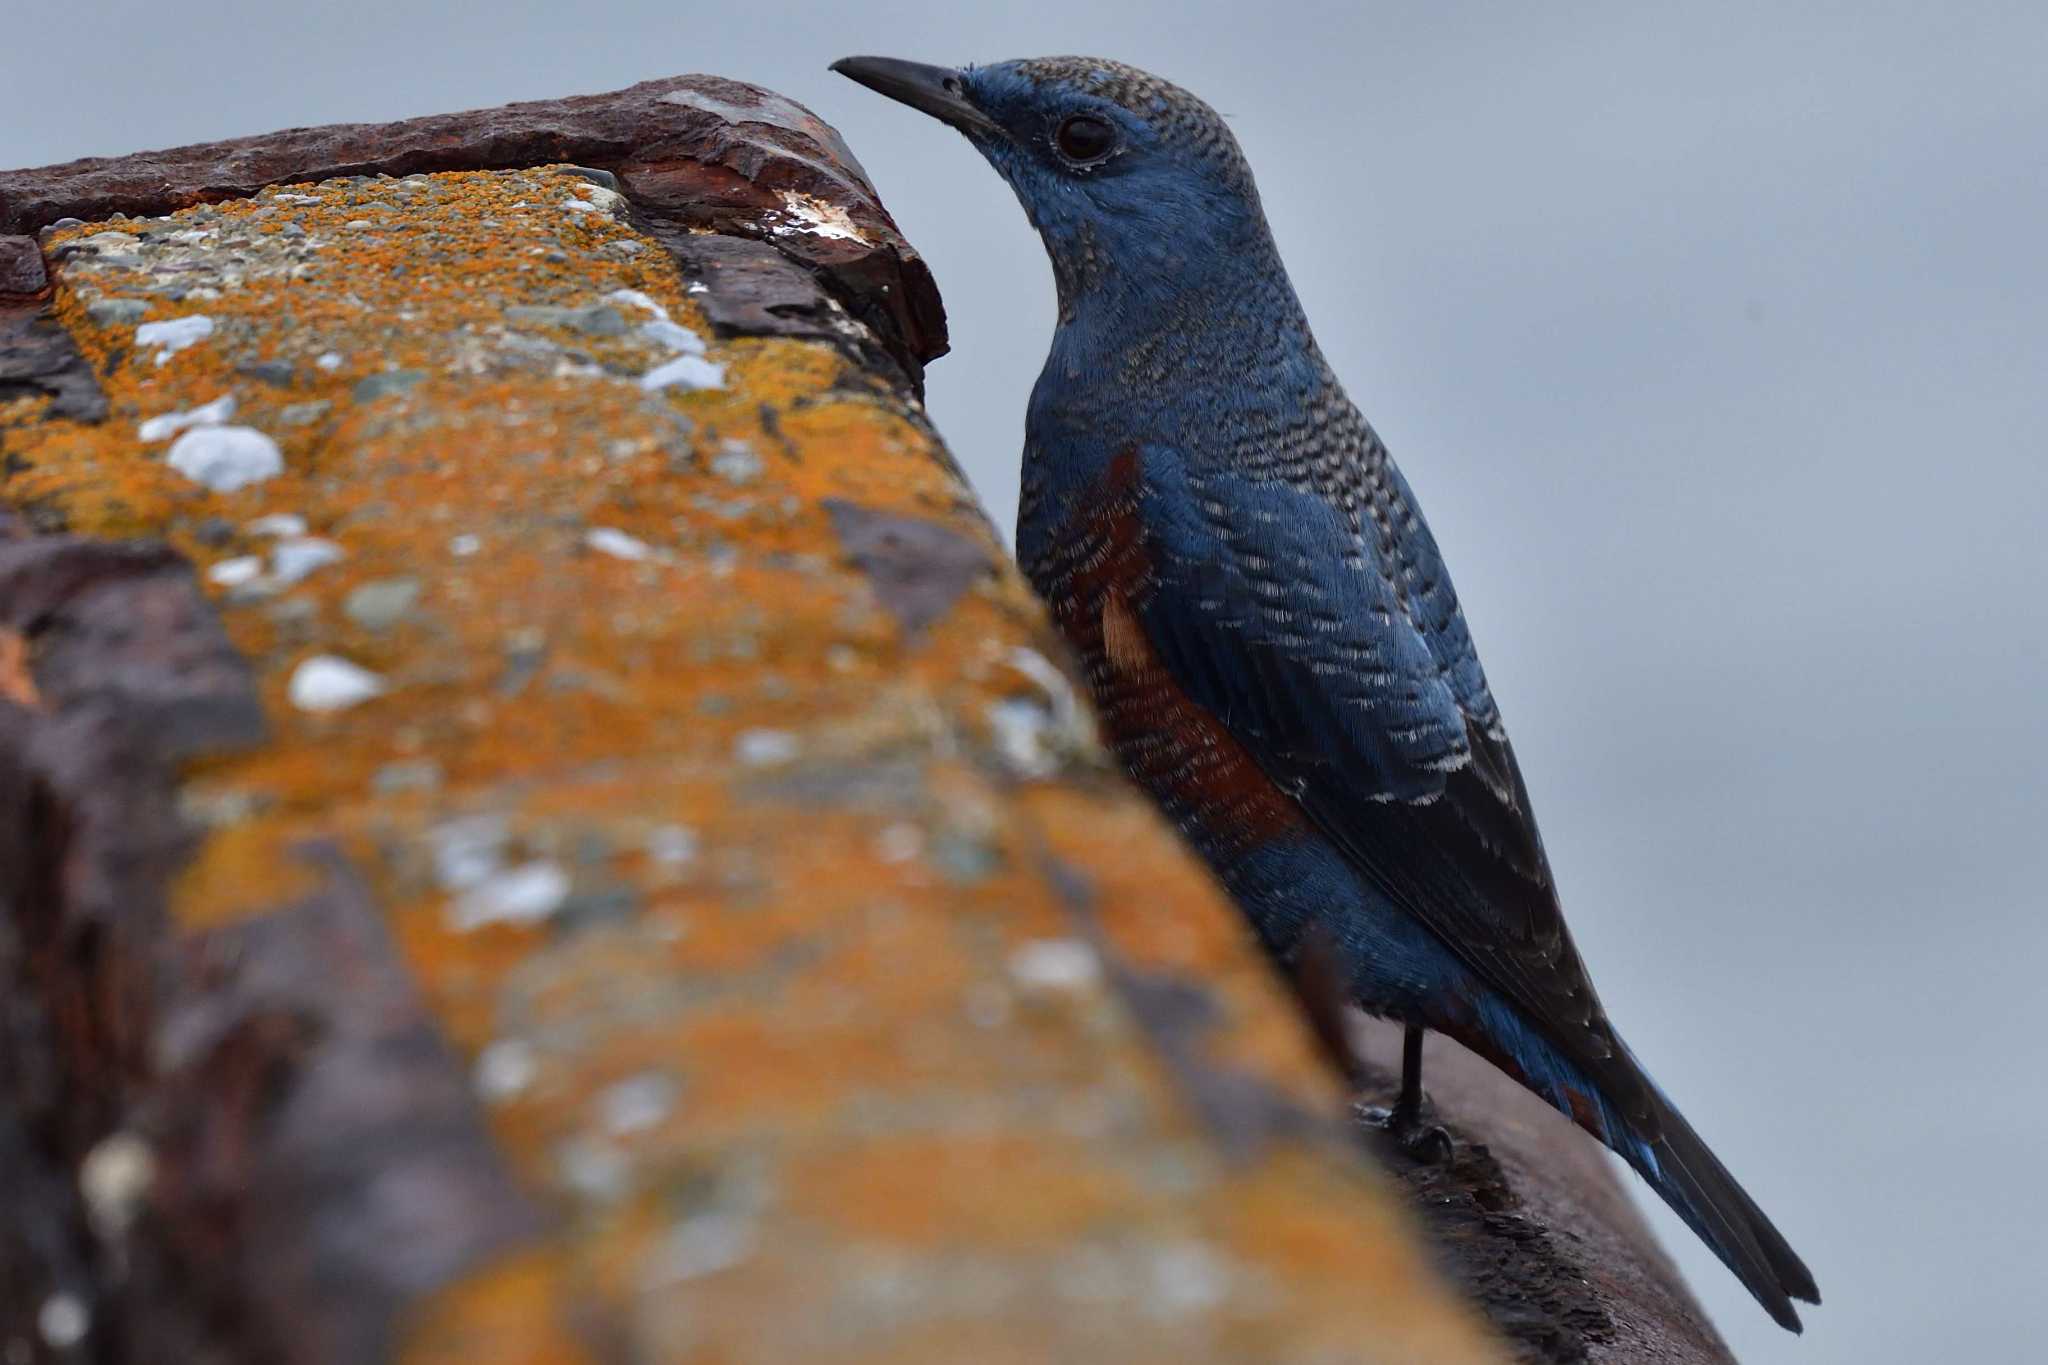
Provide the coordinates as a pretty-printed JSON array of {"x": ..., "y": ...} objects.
[{"x": 1133, "y": 183}]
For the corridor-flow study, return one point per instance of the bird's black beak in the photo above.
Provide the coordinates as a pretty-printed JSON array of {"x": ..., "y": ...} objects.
[{"x": 936, "y": 90}]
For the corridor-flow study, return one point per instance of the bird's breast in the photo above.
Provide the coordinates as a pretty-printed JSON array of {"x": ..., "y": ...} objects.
[{"x": 1098, "y": 574}]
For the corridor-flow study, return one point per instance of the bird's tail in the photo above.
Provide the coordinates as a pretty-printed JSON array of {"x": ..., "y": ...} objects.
[
  {"x": 1692, "y": 1180},
  {"x": 1651, "y": 1135}
]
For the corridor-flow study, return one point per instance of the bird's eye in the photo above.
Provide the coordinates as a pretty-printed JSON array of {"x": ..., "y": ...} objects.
[{"x": 1084, "y": 138}]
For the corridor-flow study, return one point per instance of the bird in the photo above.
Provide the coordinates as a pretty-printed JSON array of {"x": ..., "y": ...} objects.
[{"x": 1267, "y": 625}]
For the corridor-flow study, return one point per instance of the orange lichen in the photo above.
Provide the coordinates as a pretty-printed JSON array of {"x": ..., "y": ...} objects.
[
  {"x": 921, "y": 1191},
  {"x": 17, "y": 684},
  {"x": 243, "y": 869},
  {"x": 507, "y": 1315}
]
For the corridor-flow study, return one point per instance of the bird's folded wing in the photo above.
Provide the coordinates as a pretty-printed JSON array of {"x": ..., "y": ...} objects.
[{"x": 1341, "y": 662}]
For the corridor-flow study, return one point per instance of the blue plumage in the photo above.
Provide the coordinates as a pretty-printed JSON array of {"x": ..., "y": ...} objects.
[{"x": 1267, "y": 623}]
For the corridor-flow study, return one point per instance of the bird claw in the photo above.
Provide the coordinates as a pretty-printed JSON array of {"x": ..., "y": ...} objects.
[{"x": 1427, "y": 1143}]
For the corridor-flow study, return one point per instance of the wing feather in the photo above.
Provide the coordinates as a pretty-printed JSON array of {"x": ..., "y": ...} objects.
[{"x": 1339, "y": 657}]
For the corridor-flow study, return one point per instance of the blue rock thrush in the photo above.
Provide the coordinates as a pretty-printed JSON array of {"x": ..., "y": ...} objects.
[{"x": 1267, "y": 624}]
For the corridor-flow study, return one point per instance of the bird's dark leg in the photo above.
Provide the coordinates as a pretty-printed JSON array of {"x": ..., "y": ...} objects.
[
  {"x": 1408, "y": 1107},
  {"x": 1426, "y": 1142}
]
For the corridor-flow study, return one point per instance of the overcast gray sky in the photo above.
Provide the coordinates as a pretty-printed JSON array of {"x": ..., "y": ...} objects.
[{"x": 1717, "y": 350}]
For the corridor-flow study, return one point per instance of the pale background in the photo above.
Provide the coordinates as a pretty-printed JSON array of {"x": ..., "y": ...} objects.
[{"x": 1717, "y": 349}]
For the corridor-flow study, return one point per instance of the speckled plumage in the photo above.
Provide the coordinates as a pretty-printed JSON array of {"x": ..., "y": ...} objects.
[{"x": 1268, "y": 625}]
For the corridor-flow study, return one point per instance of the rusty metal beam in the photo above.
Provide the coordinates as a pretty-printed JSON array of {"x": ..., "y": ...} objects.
[{"x": 537, "y": 821}]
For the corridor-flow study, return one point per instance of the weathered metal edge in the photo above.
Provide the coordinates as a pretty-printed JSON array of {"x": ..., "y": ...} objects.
[{"x": 690, "y": 153}]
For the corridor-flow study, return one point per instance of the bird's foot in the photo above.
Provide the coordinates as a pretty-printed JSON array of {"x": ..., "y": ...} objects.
[{"x": 1427, "y": 1143}]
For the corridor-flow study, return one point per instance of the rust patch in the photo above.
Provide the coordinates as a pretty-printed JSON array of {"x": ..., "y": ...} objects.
[
  {"x": 21, "y": 267},
  {"x": 124, "y": 624},
  {"x": 917, "y": 568},
  {"x": 89, "y": 834},
  {"x": 753, "y": 289},
  {"x": 15, "y": 683},
  {"x": 38, "y": 359},
  {"x": 270, "y": 1070},
  {"x": 319, "y": 1153}
]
